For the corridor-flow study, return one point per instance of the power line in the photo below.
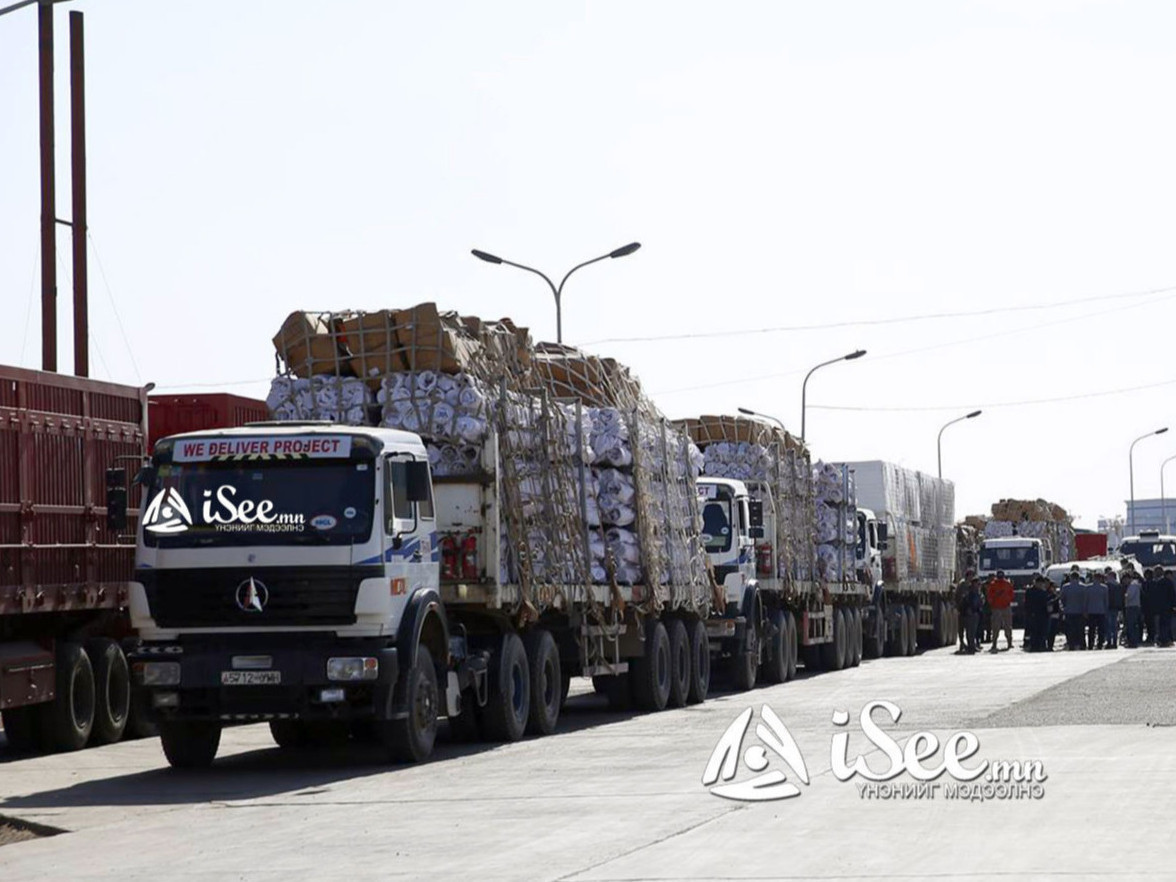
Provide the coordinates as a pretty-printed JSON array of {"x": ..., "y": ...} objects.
[
  {"x": 114, "y": 306},
  {"x": 996, "y": 404},
  {"x": 852, "y": 323}
]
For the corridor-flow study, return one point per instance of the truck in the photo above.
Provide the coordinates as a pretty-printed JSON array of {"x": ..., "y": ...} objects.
[
  {"x": 779, "y": 536},
  {"x": 352, "y": 578},
  {"x": 68, "y": 446},
  {"x": 906, "y": 550},
  {"x": 1022, "y": 539}
]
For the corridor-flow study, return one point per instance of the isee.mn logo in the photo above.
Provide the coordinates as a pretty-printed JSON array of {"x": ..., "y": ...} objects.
[
  {"x": 167, "y": 513},
  {"x": 766, "y": 785}
]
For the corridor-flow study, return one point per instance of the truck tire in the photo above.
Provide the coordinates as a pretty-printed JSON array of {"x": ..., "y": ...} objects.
[
  {"x": 793, "y": 644},
  {"x": 833, "y": 652},
  {"x": 112, "y": 690},
  {"x": 939, "y": 632},
  {"x": 651, "y": 672},
  {"x": 745, "y": 660},
  {"x": 699, "y": 663},
  {"x": 876, "y": 640},
  {"x": 189, "y": 744},
  {"x": 679, "y": 663},
  {"x": 546, "y": 682},
  {"x": 410, "y": 739},
  {"x": 21, "y": 725},
  {"x": 504, "y": 718},
  {"x": 902, "y": 634},
  {"x": 913, "y": 624},
  {"x": 855, "y": 634},
  {"x": 288, "y": 734},
  {"x": 776, "y": 662},
  {"x": 66, "y": 722}
]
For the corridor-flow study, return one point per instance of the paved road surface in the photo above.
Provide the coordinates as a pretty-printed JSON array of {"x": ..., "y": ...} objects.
[{"x": 617, "y": 797}]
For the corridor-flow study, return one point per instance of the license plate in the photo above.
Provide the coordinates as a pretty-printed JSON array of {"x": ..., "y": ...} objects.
[{"x": 251, "y": 678}]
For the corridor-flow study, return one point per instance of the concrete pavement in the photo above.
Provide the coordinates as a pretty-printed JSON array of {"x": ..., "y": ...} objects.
[{"x": 620, "y": 797}]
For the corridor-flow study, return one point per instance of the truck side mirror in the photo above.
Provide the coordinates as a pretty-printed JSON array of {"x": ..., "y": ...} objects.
[
  {"x": 883, "y": 534},
  {"x": 416, "y": 475},
  {"x": 755, "y": 532},
  {"x": 116, "y": 500},
  {"x": 755, "y": 515}
]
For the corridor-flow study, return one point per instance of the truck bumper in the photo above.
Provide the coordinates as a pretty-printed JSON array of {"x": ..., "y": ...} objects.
[{"x": 283, "y": 679}]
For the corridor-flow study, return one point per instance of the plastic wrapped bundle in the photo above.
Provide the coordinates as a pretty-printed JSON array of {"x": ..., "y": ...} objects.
[
  {"x": 441, "y": 407},
  {"x": 625, "y": 549},
  {"x": 616, "y": 496},
  {"x": 452, "y": 459},
  {"x": 336, "y": 399}
]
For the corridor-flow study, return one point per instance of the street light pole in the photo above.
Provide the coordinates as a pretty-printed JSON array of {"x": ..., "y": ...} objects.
[
  {"x": 749, "y": 412},
  {"x": 939, "y": 440},
  {"x": 804, "y": 386},
  {"x": 1131, "y": 476},
  {"x": 1163, "y": 500},
  {"x": 557, "y": 290}
]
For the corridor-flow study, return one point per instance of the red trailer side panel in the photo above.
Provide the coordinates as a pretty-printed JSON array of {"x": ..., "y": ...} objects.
[{"x": 172, "y": 414}]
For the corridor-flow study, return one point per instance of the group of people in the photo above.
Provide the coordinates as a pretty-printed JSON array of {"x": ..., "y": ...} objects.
[{"x": 1089, "y": 608}]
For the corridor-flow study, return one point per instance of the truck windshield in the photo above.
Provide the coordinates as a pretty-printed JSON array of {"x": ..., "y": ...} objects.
[
  {"x": 1150, "y": 552},
  {"x": 269, "y": 502},
  {"x": 1024, "y": 557},
  {"x": 716, "y": 525}
]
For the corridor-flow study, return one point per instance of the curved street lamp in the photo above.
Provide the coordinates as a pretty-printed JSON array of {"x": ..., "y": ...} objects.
[
  {"x": 623, "y": 251},
  {"x": 939, "y": 440},
  {"x": 804, "y": 386},
  {"x": 1163, "y": 500},
  {"x": 1131, "y": 473},
  {"x": 755, "y": 413}
]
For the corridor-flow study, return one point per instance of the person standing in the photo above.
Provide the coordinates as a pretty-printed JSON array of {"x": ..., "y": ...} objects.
[
  {"x": 1096, "y": 611},
  {"x": 1165, "y": 606},
  {"x": 985, "y": 613},
  {"x": 1115, "y": 597},
  {"x": 1074, "y": 609},
  {"x": 1147, "y": 605},
  {"x": 961, "y": 601},
  {"x": 1000, "y": 602},
  {"x": 1054, "y": 606},
  {"x": 1036, "y": 615},
  {"x": 971, "y": 615},
  {"x": 1132, "y": 613}
]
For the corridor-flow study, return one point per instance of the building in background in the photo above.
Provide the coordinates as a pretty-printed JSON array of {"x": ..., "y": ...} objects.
[{"x": 1150, "y": 514}]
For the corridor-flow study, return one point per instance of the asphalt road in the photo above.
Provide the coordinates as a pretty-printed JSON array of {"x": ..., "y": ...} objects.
[{"x": 622, "y": 796}]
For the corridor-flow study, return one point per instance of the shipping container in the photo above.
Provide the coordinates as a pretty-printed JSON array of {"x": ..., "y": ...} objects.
[
  {"x": 173, "y": 414},
  {"x": 1090, "y": 545}
]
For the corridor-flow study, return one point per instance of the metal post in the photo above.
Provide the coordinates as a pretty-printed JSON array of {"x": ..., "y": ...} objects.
[
  {"x": 77, "y": 105},
  {"x": 1163, "y": 499},
  {"x": 48, "y": 191}
]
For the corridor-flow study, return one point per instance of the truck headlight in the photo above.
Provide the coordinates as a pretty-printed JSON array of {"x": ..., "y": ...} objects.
[
  {"x": 160, "y": 673},
  {"x": 349, "y": 669}
]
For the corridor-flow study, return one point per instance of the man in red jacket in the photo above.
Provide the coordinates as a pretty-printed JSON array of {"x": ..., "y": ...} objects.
[{"x": 1000, "y": 601}]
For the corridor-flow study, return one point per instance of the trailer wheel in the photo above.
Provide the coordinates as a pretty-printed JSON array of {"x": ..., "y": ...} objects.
[
  {"x": 504, "y": 718},
  {"x": 189, "y": 744},
  {"x": 699, "y": 664},
  {"x": 875, "y": 643},
  {"x": 21, "y": 725},
  {"x": 745, "y": 661},
  {"x": 833, "y": 652},
  {"x": 112, "y": 687},
  {"x": 913, "y": 624},
  {"x": 902, "y": 634},
  {"x": 855, "y": 635},
  {"x": 793, "y": 644},
  {"x": 776, "y": 664},
  {"x": 679, "y": 664},
  {"x": 546, "y": 682},
  {"x": 411, "y": 738},
  {"x": 650, "y": 672},
  {"x": 67, "y": 721}
]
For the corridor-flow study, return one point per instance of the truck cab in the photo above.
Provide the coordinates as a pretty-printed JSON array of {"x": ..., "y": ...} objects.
[
  {"x": 1150, "y": 548},
  {"x": 871, "y": 542},
  {"x": 727, "y": 533},
  {"x": 1021, "y": 558}
]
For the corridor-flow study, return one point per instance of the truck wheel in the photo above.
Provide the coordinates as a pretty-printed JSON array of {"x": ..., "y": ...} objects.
[
  {"x": 546, "y": 682},
  {"x": 679, "y": 664},
  {"x": 913, "y": 624},
  {"x": 21, "y": 725},
  {"x": 112, "y": 690},
  {"x": 67, "y": 721},
  {"x": 410, "y": 739},
  {"x": 289, "y": 734},
  {"x": 745, "y": 661},
  {"x": 902, "y": 634},
  {"x": 833, "y": 652},
  {"x": 504, "y": 718},
  {"x": 650, "y": 672},
  {"x": 776, "y": 663},
  {"x": 699, "y": 664},
  {"x": 189, "y": 744},
  {"x": 855, "y": 635},
  {"x": 565, "y": 684},
  {"x": 940, "y": 630},
  {"x": 793, "y": 644}
]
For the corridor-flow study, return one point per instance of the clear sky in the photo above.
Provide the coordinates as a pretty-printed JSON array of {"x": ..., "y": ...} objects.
[{"x": 783, "y": 164}]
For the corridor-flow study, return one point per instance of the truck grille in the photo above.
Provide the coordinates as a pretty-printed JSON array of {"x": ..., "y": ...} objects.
[{"x": 302, "y": 596}]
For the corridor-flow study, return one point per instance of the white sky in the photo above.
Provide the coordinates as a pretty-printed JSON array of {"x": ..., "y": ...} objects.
[{"x": 782, "y": 164}]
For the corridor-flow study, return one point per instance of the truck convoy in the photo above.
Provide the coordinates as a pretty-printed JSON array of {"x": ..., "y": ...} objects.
[
  {"x": 68, "y": 446},
  {"x": 444, "y": 520}
]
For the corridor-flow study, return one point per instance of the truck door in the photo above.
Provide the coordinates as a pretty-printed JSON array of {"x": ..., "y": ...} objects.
[{"x": 410, "y": 526}]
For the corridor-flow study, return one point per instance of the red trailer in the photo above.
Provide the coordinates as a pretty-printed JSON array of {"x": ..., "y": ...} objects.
[
  {"x": 172, "y": 414},
  {"x": 1090, "y": 545},
  {"x": 68, "y": 447}
]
